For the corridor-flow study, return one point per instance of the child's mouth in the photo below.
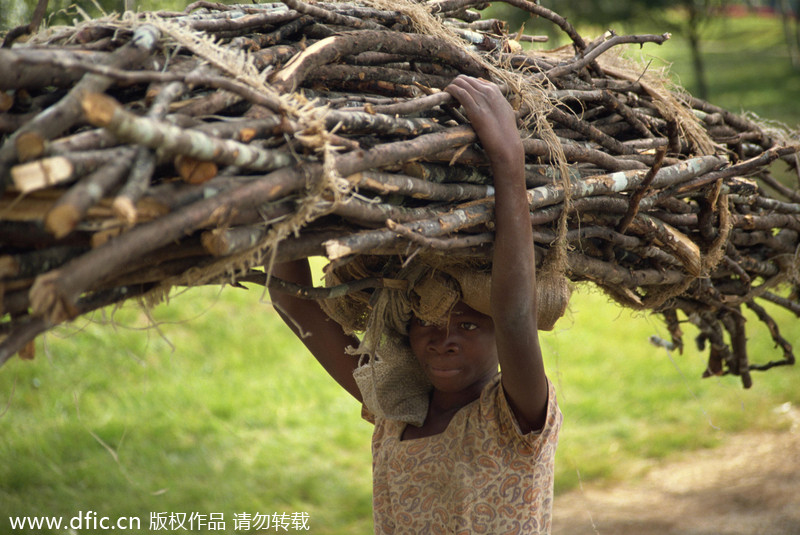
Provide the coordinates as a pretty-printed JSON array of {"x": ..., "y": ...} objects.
[{"x": 444, "y": 372}]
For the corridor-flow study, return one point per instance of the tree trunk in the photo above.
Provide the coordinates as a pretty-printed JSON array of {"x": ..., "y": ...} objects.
[
  {"x": 694, "y": 37},
  {"x": 791, "y": 31}
]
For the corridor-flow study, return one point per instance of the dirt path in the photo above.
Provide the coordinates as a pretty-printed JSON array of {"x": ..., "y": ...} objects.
[{"x": 748, "y": 486}]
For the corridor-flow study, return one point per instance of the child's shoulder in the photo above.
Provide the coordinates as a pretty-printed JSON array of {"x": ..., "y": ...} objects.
[{"x": 495, "y": 405}]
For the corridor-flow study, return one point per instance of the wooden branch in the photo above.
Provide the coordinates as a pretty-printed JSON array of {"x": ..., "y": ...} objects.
[
  {"x": 672, "y": 239},
  {"x": 144, "y": 161},
  {"x": 734, "y": 323},
  {"x": 553, "y": 17},
  {"x": 560, "y": 71},
  {"x": 468, "y": 216},
  {"x": 332, "y": 17},
  {"x": 589, "y": 131},
  {"x": 327, "y": 50},
  {"x": 387, "y": 183},
  {"x": 400, "y": 151},
  {"x": 104, "y": 111},
  {"x": 225, "y": 150},
  {"x": 438, "y": 243},
  {"x": 588, "y": 268},
  {"x": 58, "y": 118},
  {"x": 329, "y": 292},
  {"x": 355, "y": 122},
  {"x": 415, "y": 105},
  {"x": 636, "y": 197},
  {"x": 577, "y": 153},
  {"x": 245, "y": 22},
  {"x": 38, "y": 16},
  {"x": 199, "y": 77},
  {"x": 53, "y": 295},
  {"x": 744, "y": 168},
  {"x": 623, "y": 181},
  {"x": 58, "y": 170},
  {"x": 73, "y": 205}
]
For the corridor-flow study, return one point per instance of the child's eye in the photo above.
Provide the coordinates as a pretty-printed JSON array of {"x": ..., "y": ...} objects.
[
  {"x": 468, "y": 325},
  {"x": 422, "y": 323}
]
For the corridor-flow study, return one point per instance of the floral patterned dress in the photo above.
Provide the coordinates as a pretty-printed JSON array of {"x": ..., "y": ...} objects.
[{"x": 481, "y": 475}]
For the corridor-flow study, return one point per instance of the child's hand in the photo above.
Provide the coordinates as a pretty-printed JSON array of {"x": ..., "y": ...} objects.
[{"x": 491, "y": 116}]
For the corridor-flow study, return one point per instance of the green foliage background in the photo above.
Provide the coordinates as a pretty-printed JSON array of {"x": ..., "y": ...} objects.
[{"x": 219, "y": 409}]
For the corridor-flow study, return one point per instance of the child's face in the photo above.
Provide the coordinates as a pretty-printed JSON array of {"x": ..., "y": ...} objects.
[{"x": 459, "y": 354}]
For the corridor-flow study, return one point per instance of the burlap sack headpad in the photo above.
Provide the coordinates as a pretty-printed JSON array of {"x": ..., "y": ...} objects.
[
  {"x": 390, "y": 378},
  {"x": 552, "y": 293}
]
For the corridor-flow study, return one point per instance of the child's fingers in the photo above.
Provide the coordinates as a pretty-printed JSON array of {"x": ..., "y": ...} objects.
[
  {"x": 478, "y": 90},
  {"x": 460, "y": 85},
  {"x": 483, "y": 94},
  {"x": 471, "y": 96},
  {"x": 488, "y": 111}
]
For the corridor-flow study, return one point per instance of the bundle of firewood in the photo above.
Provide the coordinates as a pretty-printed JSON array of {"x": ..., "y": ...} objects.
[{"x": 160, "y": 149}]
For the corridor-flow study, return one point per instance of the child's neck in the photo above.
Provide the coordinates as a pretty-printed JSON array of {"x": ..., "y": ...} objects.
[
  {"x": 450, "y": 402},
  {"x": 443, "y": 407}
]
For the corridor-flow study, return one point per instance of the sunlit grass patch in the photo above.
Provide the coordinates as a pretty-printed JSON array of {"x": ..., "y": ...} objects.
[
  {"x": 628, "y": 404},
  {"x": 225, "y": 412}
]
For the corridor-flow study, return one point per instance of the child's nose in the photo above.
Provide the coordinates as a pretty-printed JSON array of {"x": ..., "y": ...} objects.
[{"x": 441, "y": 341}]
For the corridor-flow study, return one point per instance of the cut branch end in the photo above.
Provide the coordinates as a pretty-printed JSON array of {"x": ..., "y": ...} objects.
[{"x": 99, "y": 108}]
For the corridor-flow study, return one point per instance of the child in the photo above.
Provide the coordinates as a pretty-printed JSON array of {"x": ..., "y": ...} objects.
[{"x": 482, "y": 460}]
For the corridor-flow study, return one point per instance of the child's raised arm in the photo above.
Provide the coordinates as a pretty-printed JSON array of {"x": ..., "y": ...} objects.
[
  {"x": 513, "y": 290},
  {"x": 323, "y": 337}
]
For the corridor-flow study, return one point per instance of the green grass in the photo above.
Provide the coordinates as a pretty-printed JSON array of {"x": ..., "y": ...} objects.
[
  {"x": 223, "y": 411},
  {"x": 629, "y": 404}
]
